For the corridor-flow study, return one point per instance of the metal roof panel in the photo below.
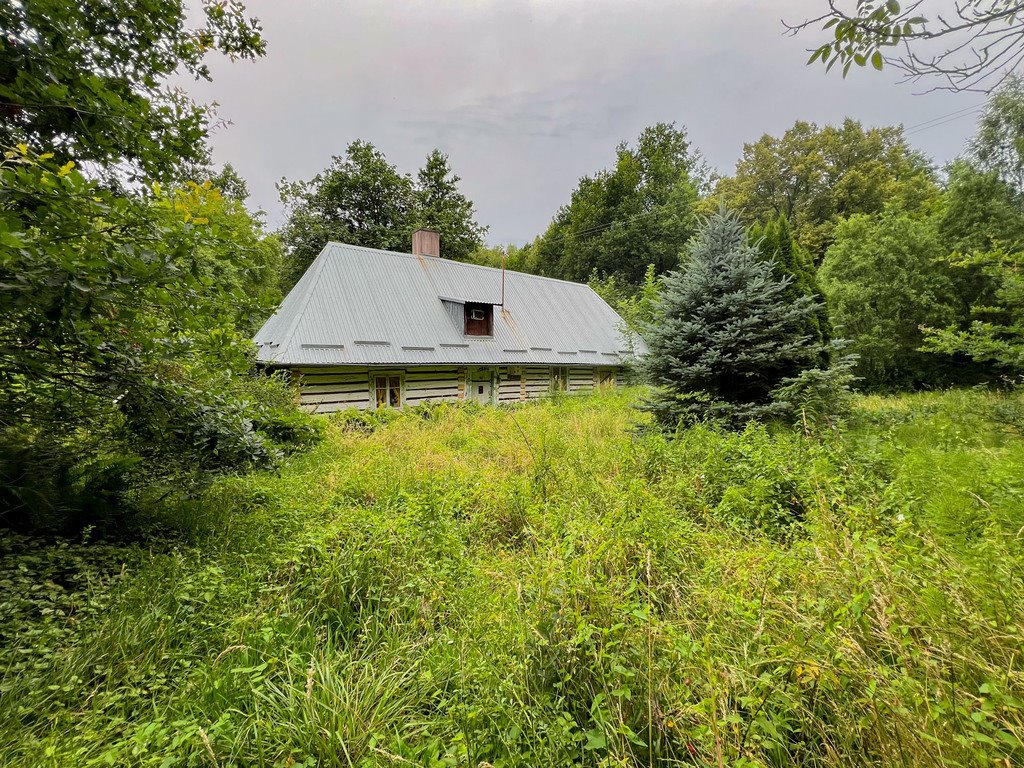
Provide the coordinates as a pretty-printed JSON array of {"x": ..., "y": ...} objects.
[{"x": 363, "y": 306}]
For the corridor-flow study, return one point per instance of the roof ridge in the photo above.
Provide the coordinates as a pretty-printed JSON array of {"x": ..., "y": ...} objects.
[{"x": 459, "y": 263}]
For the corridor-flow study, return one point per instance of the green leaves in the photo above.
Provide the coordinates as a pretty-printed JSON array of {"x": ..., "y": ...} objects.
[
  {"x": 362, "y": 199},
  {"x": 883, "y": 281},
  {"x": 861, "y": 38},
  {"x": 99, "y": 92},
  {"x": 623, "y": 219},
  {"x": 127, "y": 323}
]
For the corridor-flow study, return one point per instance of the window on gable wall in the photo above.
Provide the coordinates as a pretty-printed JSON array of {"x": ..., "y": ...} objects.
[
  {"x": 389, "y": 391},
  {"x": 478, "y": 319}
]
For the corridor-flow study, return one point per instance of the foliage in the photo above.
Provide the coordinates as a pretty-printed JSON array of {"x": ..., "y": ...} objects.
[
  {"x": 89, "y": 81},
  {"x": 820, "y": 398},
  {"x": 982, "y": 223},
  {"x": 635, "y": 305},
  {"x": 979, "y": 211},
  {"x": 542, "y": 586},
  {"x": 125, "y": 322},
  {"x": 513, "y": 257},
  {"x": 726, "y": 334},
  {"x": 883, "y": 279},
  {"x": 777, "y": 244},
  {"x": 815, "y": 177},
  {"x": 984, "y": 39},
  {"x": 440, "y": 206},
  {"x": 998, "y": 145},
  {"x": 362, "y": 199},
  {"x": 621, "y": 220},
  {"x": 996, "y": 332}
]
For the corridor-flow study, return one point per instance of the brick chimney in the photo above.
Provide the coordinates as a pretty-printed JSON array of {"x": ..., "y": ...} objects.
[{"x": 426, "y": 242}]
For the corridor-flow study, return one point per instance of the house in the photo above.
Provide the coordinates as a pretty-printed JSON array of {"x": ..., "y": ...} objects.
[{"x": 370, "y": 328}]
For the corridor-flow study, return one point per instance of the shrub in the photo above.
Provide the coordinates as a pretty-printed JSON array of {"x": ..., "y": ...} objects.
[{"x": 818, "y": 398}]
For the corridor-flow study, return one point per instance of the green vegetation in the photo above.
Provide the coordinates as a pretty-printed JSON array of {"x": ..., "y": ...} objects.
[
  {"x": 131, "y": 285},
  {"x": 796, "y": 576},
  {"x": 726, "y": 333},
  {"x": 620, "y": 220},
  {"x": 546, "y": 586},
  {"x": 816, "y": 176},
  {"x": 362, "y": 199}
]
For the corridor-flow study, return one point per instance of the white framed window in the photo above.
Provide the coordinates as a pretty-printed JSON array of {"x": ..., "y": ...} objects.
[
  {"x": 560, "y": 379},
  {"x": 388, "y": 389}
]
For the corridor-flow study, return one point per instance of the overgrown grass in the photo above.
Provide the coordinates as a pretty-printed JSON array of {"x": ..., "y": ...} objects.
[{"x": 545, "y": 586}]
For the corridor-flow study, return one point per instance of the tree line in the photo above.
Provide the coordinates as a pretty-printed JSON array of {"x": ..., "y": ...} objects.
[
  {"x": 914, "y": 266},
  {"x": 134, "y": 274}
]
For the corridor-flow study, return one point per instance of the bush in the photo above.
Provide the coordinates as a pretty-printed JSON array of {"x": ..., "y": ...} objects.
[{"x": 819, "y": 398}]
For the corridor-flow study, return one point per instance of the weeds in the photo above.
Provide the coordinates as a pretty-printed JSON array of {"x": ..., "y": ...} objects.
[{"x": 545, "y": 586}]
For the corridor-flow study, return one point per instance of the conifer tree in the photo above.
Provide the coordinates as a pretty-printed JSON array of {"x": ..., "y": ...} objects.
[
  {"x": 776, "y": 242},
  {"x": 440, "y": 205},
  {"x": 726, "y": 332}
]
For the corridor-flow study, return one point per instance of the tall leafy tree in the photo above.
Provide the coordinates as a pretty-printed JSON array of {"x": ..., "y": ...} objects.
[
  {"x": 982, "y": 224},
  {"x": 360, "y": 199},
  {"x": 441, "y": 206},
  {"x": 726, "y": 335},
  {"x": 127, "y": 307},
  {"x": 88, "y": 81},
  {"x": 883, "y": 279},
  {"x": 995, "y": 331},
  {"x": 621, "y": 220},
  {"x": 126, "y": 324},
  {"x": 998, "y": 144},
  {"x": 816, "y": 176}
]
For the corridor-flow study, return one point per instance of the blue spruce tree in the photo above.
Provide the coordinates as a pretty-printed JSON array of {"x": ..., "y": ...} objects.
[{"x": 728, "y": 331}]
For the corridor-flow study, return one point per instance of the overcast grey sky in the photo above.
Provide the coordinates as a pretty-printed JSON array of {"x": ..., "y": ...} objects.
[{"x": 526, "y": 96}]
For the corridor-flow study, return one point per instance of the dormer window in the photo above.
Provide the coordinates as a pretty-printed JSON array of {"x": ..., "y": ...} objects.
[{"x": 478, "y": 319}]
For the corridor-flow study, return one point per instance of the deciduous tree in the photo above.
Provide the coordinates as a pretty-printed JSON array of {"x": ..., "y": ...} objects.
[
  {"x": 362, "y": 199},
  {"x": 817, "y": 176},
  {"x": 621, "y": 220},
  {"x": 88, "y": 81},
  {"x": 883, "y": 279}
]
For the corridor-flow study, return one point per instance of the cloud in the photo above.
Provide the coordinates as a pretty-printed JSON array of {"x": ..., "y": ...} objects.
[{"x": 526, "y": 97}]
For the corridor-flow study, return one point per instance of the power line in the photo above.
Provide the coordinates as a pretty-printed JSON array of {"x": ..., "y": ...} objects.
[
  {"x": 935, "y": 122},
  {"x": 941, "y": 117}
]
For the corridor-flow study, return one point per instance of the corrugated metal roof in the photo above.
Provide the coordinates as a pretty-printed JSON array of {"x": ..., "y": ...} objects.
[{"x": 363, "y": 306}]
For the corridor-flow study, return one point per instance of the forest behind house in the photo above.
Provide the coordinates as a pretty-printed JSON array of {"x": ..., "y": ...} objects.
[{"x": 793, "y": 539}]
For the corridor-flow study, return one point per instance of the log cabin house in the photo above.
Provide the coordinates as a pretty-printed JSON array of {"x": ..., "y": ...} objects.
[{"x": 366, "y": 328}]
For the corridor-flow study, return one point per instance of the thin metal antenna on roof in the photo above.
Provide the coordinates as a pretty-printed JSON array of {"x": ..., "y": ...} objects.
[{"x": 502, "y": 280}]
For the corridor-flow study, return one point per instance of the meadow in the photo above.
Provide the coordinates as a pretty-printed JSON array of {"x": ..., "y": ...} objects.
[{"x": 550, "y": 585}]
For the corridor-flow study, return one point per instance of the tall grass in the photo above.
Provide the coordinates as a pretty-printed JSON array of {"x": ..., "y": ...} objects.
[{"x": 549, "y": 586}]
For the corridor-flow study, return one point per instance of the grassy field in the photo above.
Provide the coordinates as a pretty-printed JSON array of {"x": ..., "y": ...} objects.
[{"x": 547, "y": 586}]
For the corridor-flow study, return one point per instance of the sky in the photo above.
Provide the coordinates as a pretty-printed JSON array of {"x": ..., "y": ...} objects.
[{"x": 527, "y": 96}]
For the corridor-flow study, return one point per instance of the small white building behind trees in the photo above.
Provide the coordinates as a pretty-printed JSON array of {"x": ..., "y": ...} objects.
[{"x": 369, "y": 328}]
